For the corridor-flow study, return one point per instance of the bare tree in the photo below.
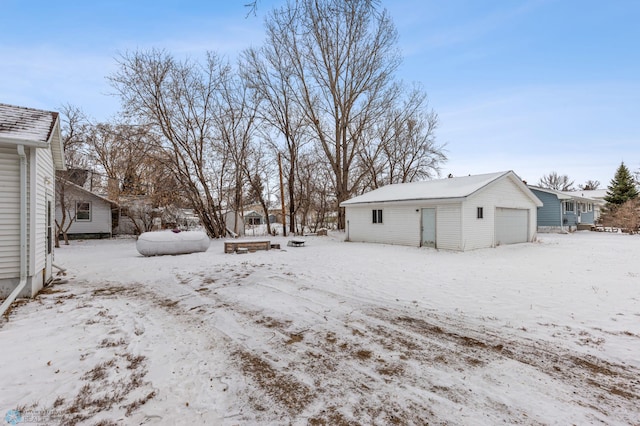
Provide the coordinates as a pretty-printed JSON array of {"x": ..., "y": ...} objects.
[
  {"x": 268, "y": 70},
  {"x": 625, "y": 216},
  {"x": 235, "y": 127},
  {"x": 342, "y": 58},
  {"x": 557, "y": 182},
  {"x": 405, "y": 149},
  {"x": 258, "y": 170},
  {"x": 590, "y": 185},
  {"x": 314, "y": 192},
  {"x": 179, "y": 100},
  {"x": 252, "y": 6},
  {"x": 121, "y": 151},
  {"x": 74, "y": 124}
]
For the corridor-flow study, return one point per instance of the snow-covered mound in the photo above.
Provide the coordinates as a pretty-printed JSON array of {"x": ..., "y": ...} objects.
[{"x": 169, "y": 242}]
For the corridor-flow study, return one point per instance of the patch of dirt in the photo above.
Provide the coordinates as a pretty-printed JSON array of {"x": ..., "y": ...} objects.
[{"x": 284, "y": 389}]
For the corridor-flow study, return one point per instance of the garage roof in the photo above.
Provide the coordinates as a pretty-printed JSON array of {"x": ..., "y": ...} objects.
[{"x": 438, "y": 189}]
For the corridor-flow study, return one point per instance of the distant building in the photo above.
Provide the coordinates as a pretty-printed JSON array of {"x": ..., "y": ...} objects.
[{"x": 457, "y": 213}]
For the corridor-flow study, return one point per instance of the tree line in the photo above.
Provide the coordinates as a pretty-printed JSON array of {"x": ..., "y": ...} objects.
[{"x": 320, "y": 96}]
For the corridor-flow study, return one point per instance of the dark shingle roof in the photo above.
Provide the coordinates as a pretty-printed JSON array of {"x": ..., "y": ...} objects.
[{"x": 23, "y": 123}]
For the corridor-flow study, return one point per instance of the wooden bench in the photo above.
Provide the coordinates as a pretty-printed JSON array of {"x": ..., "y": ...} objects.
[
  {"x": 296, "y": 242},
  {"x": 249, "y": 245}
]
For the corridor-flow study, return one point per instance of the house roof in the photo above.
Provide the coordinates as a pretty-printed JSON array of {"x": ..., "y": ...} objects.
[
  {"x": 570, "y": 195},
  {"x": 594, "y": 194},
  {"x": 32, "y": 127},
  {"x": 561, "y": 195},
  {"x": 87, "y": 192},
  {"x": 438, "y": 189}
]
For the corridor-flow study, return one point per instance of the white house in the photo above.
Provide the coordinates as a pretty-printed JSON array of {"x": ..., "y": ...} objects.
[
  {"x": 461, "y": 213},
  {"x": 30, "y": 150},
  {"x": 91, "y": 215}
]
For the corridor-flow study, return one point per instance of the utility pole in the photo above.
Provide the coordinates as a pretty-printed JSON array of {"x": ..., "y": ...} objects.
[{"x": 284, "y": 212}]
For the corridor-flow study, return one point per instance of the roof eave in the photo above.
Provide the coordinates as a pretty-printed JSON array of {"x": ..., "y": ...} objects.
[
  {"x": 54, "y": 142},
  {"x": 57, "y": 147},
  {"x": 402, "y": 201},
  {"x": 26, "y": 142}
]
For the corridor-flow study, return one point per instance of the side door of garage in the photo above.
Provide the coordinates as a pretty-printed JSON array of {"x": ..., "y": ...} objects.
[{"x": 428, "y": 228}]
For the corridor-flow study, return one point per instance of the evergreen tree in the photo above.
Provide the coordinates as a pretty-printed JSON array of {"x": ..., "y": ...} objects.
[{"x": 622, "y": 188}]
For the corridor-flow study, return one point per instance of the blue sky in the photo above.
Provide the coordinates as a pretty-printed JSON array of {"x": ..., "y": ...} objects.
[{"x": 532, "y": 86}]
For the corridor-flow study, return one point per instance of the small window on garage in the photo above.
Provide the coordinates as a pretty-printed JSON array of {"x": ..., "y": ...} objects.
[
  {"x": 83, "y": 211},
  {"x": 376, "y": 216},
  {"x": 480, "y": 214}
]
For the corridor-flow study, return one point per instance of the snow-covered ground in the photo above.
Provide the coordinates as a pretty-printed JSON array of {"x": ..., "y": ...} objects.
[{"x": 332, "y": 333}]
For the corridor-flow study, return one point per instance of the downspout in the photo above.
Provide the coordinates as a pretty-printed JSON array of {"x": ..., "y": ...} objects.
[{"x": 23, "y": 233}]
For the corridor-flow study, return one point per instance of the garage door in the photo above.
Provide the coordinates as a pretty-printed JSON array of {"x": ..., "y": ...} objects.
[{"x": 512, "y": 226}]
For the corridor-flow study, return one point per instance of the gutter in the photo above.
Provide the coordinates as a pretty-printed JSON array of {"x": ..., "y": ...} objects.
[
  {"x": 23, "y": 233},
  {"x": 24, "y": 142}
]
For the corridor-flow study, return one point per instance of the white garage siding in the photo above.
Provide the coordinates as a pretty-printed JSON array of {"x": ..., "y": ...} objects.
[
  {"x": 9, "y": 213},
  {"x": 502, "y": 193},
  {"x": 511, "y": 226},
  {"x": 400, "y": 224},
  {"x": 449, "y": 227}
]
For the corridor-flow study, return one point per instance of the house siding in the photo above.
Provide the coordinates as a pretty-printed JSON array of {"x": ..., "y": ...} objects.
[
  {"x": 588, "y": 217},
  {"x": 400, "y": 224},
  {"x": 551, "y": 212},
  {"x": 100, "y": 222},
  {"x": 9, "y": 213},
  {"x": 449, "y": 227},
  {"x": 44, "y": 181}
]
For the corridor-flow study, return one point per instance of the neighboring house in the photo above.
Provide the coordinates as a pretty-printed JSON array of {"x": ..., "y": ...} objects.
[
  {"x": 597, "y": 197},
  {"x": 461, "y": 213},
  {"x": 253, "y": 218},
  {"x": 30, "y": 152},
  {"x": 563, "y": 211},
  {"x": 91, "y": 215}
]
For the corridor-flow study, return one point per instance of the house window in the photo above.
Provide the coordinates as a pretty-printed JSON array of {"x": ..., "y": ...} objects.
[
  {"x": 589, "y": 207},
  {"x": 568, "y": 206},
  {"x": 377, "y": 216},
  {"x": 83, "y": 211},
  {"x": 480, "y": 213}
]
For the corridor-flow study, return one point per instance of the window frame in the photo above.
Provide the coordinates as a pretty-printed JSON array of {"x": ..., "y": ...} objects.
[
  {"x": 566, "y": 206},
  {"x": 376, "y": 216},
  {"x": 480, "y": 213},
  {"x": 80, "y": 210}
]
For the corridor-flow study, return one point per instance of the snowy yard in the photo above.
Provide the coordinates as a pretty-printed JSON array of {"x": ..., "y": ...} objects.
[{"x": 332, "y": 333}]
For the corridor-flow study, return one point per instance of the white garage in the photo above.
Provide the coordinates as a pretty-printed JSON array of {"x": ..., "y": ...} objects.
[{"x": 460, "y": 213}]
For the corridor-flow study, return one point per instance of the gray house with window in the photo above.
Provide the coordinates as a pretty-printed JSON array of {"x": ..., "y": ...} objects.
[
  {"x": 86, "y": 214},
  {"x": 254, "y": 218},
  {"x": 563, "y": 211}
]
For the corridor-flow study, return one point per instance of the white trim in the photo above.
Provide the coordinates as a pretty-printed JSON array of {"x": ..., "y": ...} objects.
[{"x": 88, "y": 210}]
